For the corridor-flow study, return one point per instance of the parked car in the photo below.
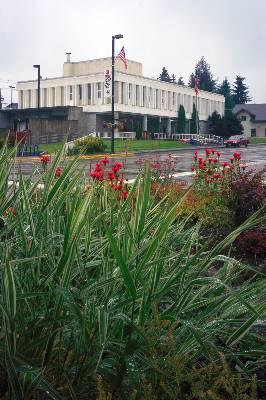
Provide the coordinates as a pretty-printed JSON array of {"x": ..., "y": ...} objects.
[{"x": 236, "y": 141}]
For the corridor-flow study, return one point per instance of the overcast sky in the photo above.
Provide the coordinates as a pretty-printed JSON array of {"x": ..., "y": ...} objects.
[{"x": 231, "y": 34}]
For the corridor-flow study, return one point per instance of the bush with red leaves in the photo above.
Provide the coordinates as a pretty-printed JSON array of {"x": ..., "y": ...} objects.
[
  {"x": 252, "y": 244},
  {"x": 247, "y": 193}
]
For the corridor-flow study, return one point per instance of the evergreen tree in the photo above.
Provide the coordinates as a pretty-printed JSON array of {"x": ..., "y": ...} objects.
[
  {"x": 181, "y": 81},
  {"x": 216, "y": 124},
  {"x": 225, "y": 90},
  {"x": 193, "y": 126},
  {"x": 181, "y": 120},
  {"x": 203, "y": 74},
  {"x": 232, "y": 125},
  {"x": 227, "y": 126},
  {"x": 164, "y": 75},
  {"x": 240, "y": 91}
]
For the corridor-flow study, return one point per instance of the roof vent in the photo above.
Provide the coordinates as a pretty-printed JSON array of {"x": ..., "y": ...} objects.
[{"x": 68, "y": 57}]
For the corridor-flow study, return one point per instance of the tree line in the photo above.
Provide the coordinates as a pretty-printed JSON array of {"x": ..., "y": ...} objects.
[{"x": 236, "y": 93}]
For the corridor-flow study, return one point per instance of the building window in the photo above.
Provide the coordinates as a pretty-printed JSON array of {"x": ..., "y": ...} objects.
[
  {"x": 70, "y": 92},
  {"x": 162, "y": 98},
  {"x": 243, "y": 118},
  {"x": 89, "y": 93},
  {"x": 173, "y": 99},
  {"x": 122, "y": 92},
  {"x": 80, "y": 91},
  {"x": 130, "y": 91},
  {"x": 143, "y": 96},
  {"x": 137, "y": 95},
  {"x": 99, "y": 90},
  {"x": 253, "y": 132},
  {"x": 149, "y": 98}
]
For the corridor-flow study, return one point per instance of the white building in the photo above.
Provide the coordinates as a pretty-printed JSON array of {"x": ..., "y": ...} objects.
[{"x": 141, "y": 102}]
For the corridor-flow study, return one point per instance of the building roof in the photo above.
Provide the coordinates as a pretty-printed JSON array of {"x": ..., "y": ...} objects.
[{"x": 257, "y": 111}]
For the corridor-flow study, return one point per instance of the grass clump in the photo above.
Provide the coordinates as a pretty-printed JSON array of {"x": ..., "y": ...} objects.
[{"x": 108, "y": 297}]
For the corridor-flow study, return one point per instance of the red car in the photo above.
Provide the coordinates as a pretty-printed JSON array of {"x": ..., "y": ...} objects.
[{"x": 236, "y": 141}]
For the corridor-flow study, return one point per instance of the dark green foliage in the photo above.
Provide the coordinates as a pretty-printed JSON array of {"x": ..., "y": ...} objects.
[
  {"x": 181, "y": 81},
  {"x": 240, "y": 91},
  {"x": 181, "y": 120},
  {"x": 232, "y": 125},
  {"x": 164, "y": 75},
  {"x": 204, "y": 75},
  {"x": 227, "y": 126},
  {"x": 215, "y": 124},
  {"x": 225, "y": 90},
  {"x": 194, "y": 122}
]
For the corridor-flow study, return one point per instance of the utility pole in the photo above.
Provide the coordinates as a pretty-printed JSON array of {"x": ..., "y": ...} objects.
[{"x": 119, "y": 36}]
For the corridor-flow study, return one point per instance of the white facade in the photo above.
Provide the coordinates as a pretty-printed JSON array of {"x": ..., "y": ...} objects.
[{"x": 82, "y": 85}]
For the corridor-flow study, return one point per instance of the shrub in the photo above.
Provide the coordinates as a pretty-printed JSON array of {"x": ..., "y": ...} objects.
[
  {"x": 88, "y": 145},
  {"x": 252, "y": 244},
  {"x": 246, "y": 193}
]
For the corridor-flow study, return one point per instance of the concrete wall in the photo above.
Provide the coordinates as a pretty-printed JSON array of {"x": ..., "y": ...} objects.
[{"x": 95, "y": 66}]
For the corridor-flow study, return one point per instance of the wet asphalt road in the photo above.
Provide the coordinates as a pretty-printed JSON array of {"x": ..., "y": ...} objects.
[{"x": 254, "y": 156}]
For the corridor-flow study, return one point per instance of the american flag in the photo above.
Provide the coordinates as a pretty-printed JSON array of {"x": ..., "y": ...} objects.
[
  {"x": 196, "y": 86},
  {"x": 122, "y": 56}
]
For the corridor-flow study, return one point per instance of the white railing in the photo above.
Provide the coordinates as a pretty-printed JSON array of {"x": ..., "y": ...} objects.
[{"x": 190, "y": 137}]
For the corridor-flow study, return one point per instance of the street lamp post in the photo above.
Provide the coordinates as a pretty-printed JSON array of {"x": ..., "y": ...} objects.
[
  {"x": 39, "y": 84},
  {"x": 38, "y": 97},
  {"x": 119, "y": 36},
  {"x": 11, "y": 88}
]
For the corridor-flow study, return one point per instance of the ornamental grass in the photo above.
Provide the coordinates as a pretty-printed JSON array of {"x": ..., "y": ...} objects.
[{"x": 105, "y": 296}]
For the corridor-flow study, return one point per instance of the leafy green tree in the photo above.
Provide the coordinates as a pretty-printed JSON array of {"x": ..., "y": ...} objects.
[
  {"x": 164, "y": 75},
  {"x": 240, "y": 91},
  {"x": 180, "y": 81},
  {"x": 225, "y": 90},
  {"x": 193, "y": 126},
  {"x": 181, "y": 120},
  {"x": 203, "y": 74}
]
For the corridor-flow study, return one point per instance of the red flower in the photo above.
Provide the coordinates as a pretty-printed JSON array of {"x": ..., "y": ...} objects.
[
  {"x": 105, "y": 161},
  {"x": 237, "y": 156},
  {"x": 208, "y": 152},
  {"x": 124, "y": 195},
  {"x": 192, "y": 169},
  {"x": 225, "y": 164},
  {"x": 97, "y": 175},
  {"x": 117, "y": 165},
  {"x": 201, "y": 166},
  {"x": 210, "y": 160},
  {"x": 196, "y": 153},
  {"x": 232, "y": 159},
  {"x": 58, "y": 172},
  {"x": 216, "y": 176},
  {"x": 45, "y": 159},
  {"x": 218, "y": 153},
  {"x": 200, "y": 160},
  {"x": 215, "y": 160},
  {"x": 213, "y": 151},
  {"x": 111, "y": 175}
]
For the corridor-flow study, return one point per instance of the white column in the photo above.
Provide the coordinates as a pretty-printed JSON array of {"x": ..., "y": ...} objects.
[
  {"x": 84, "y": 94},
  {"x": 145, "y": 123}
]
